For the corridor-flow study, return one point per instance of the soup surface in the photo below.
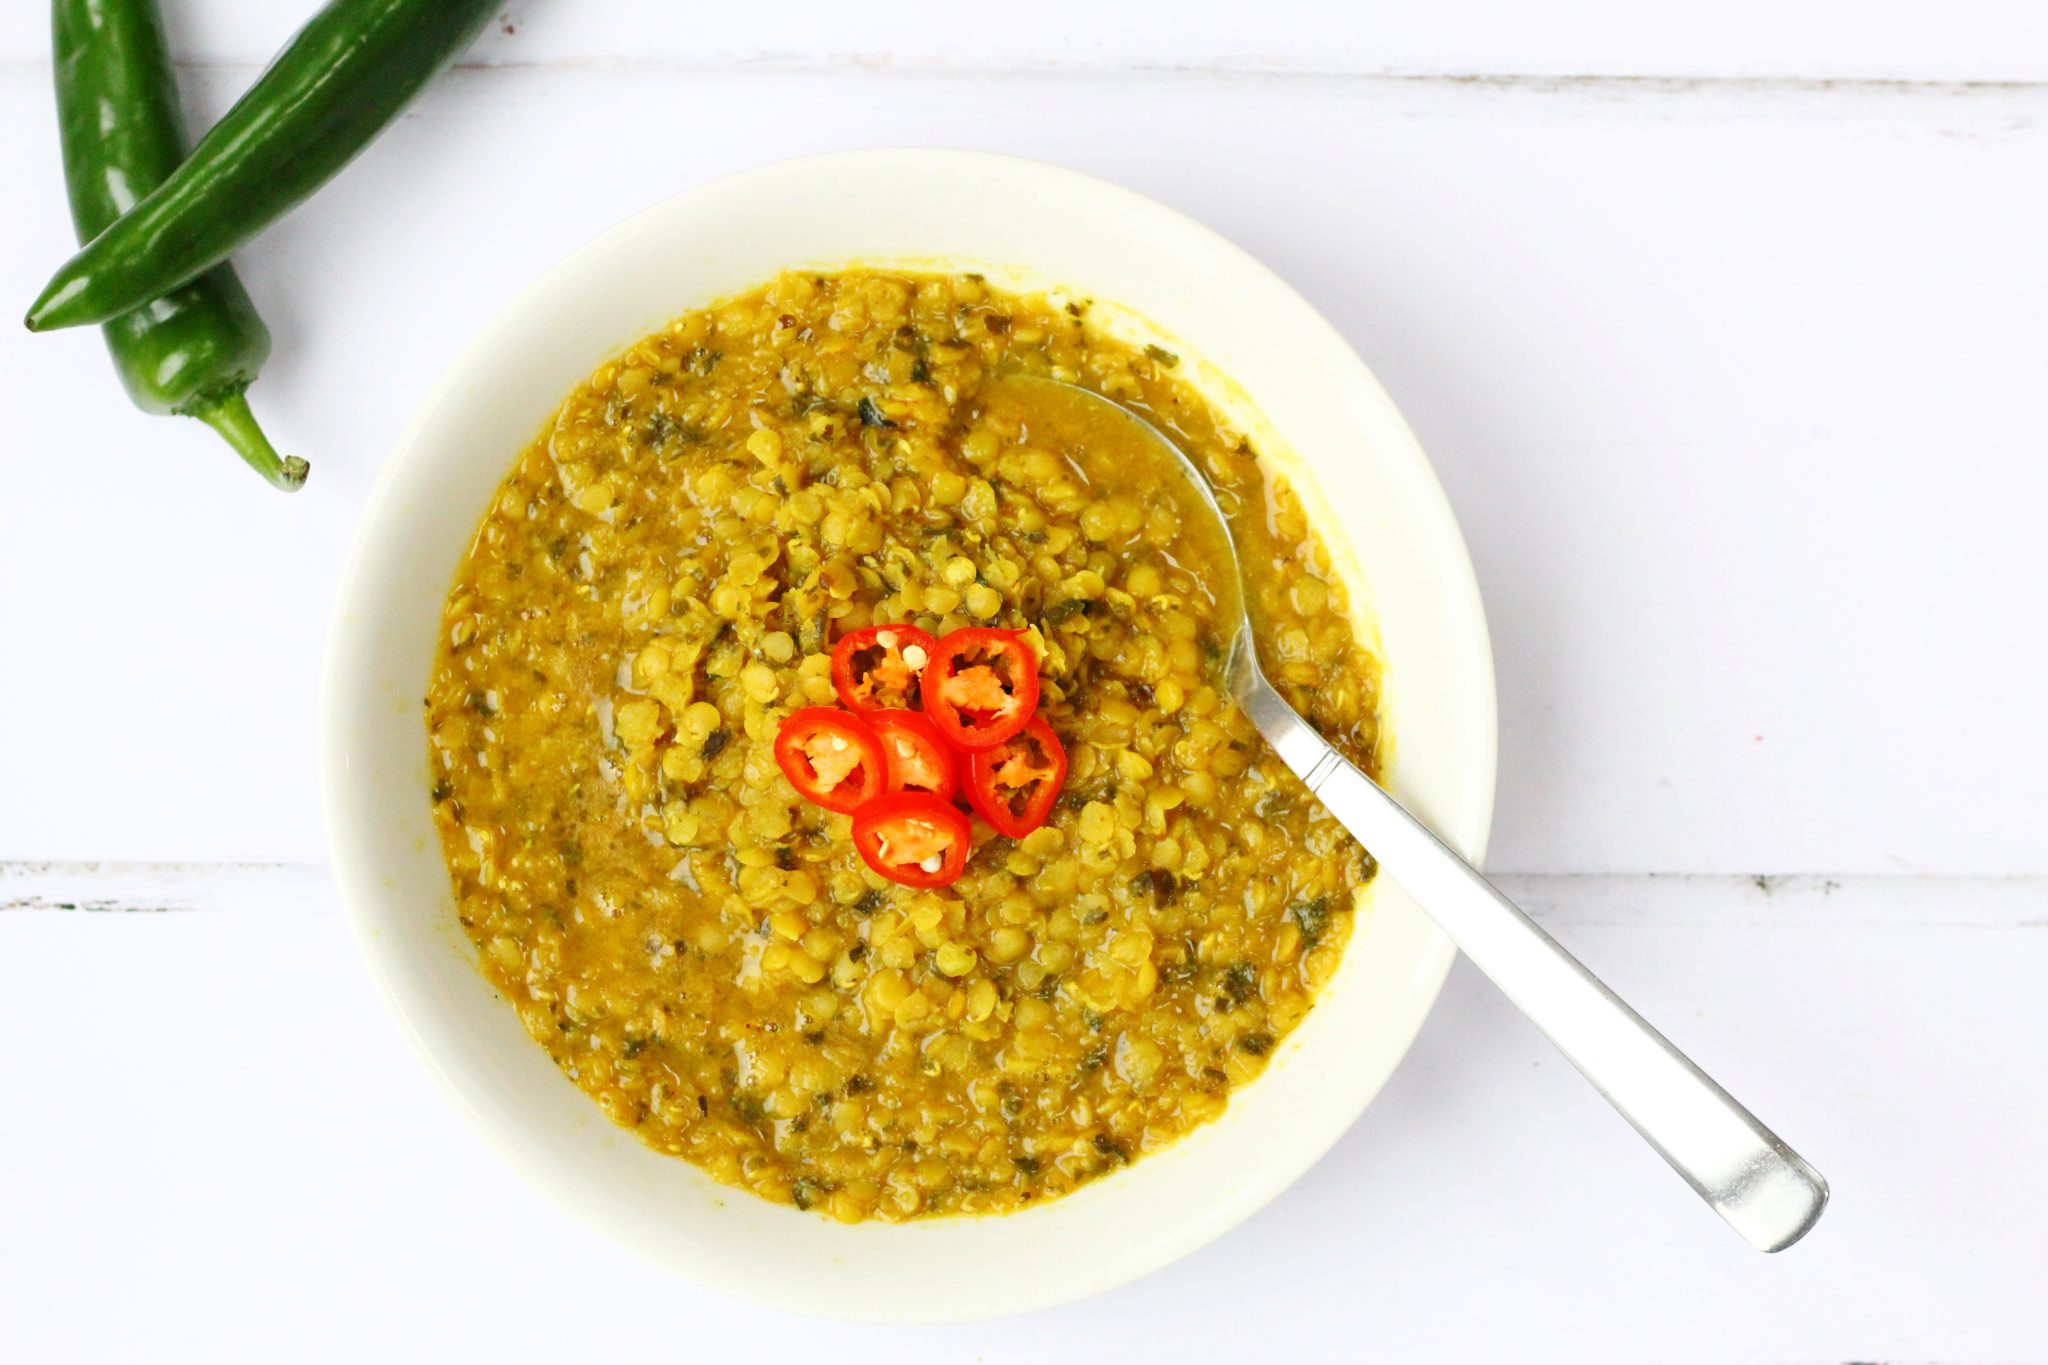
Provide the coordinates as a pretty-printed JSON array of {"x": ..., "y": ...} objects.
[{"x": 657, "y": 584}]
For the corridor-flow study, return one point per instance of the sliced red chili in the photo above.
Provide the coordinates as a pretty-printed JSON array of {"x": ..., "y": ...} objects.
[
  {"x": 1013, "y": 784},
  {"x": 831, "y": 757},
  {"x": 878, "y": 668},
  {"x": 913, "y": 838},
  {"x": 919, "y": 761},
  {"x": 981, "y": 686}
]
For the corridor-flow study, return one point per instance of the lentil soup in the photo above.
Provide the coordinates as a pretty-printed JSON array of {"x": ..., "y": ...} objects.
[{"x": 657, "y": 585}]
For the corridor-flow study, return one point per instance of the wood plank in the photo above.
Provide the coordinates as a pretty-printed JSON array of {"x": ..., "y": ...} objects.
[
  {"x": 1732, "y": 393},
  {"x": 1965, "y": 40},
  {"x": 199, "y": 1101}
]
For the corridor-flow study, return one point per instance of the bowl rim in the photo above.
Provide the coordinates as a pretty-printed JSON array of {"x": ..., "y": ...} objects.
[{"x": 352, "y": 856}]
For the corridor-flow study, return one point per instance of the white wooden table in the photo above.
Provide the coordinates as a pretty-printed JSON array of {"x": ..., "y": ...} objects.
[{"x": 1726, "y": 326}]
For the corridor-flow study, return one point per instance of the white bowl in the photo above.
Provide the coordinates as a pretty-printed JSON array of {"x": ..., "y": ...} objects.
[{"x": 1367, "y": 486}]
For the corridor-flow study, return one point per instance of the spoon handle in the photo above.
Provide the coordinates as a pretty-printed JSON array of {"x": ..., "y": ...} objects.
[{"x": 1764, "y": 1189}]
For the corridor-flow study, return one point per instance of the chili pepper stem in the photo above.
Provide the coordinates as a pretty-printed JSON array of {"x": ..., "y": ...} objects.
[{"x": 229, "y": 415}]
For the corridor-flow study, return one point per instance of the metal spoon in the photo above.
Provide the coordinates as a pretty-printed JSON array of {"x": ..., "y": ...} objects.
[{"x": 1765, "y": 1190}]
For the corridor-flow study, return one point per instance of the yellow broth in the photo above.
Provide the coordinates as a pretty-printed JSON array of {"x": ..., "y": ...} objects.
[{"x": 657, "y": 583}]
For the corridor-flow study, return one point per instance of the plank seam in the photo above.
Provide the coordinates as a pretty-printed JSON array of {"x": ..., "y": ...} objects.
[
  {"x": 1619, "y": 900},
  {"x": 1525, "y": 82}
]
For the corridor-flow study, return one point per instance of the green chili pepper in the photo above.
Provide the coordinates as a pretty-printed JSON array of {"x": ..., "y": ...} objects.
[
  {"x": 195, "y": 350},
  {"x": 340, "y": 80}
]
